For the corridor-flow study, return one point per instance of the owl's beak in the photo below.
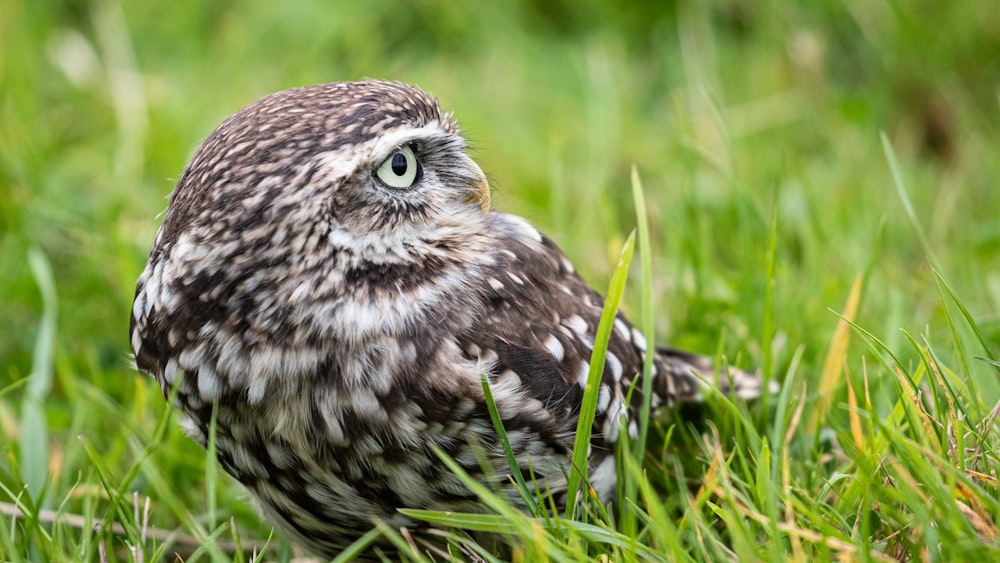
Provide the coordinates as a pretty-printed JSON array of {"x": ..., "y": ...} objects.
[{"x": 481, "y": 194}]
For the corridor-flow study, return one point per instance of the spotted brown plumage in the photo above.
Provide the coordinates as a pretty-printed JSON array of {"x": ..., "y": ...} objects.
[{"x": 330, "y": 275}]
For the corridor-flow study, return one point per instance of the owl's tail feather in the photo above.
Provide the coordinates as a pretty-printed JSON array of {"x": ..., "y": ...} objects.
[{"x": 681, "y": 376}]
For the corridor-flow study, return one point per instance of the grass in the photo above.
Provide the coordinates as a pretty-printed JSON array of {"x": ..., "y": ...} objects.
[{"x": 820, "y": 188}]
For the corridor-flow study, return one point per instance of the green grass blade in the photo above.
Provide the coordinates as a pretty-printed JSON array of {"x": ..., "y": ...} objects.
[
  {"x": 34, "y": 427},
  {"x": 767, "y": 324},
  {"x": 966, "y": 314},
  {"x": 211, "y": 468},
  {"x": 358, "y": 546},
  {"x": 486, "y": 496},
  {"x": 588, "y": 409},
  {"x": 508, "y": 452},
  {"x": 463, "y": 520},
  {"x": 14, "y": 386},
  {"x": 628, "y": 515},
  {"x": 904, "y": 197},
  {"x": 960, "y": 352}
]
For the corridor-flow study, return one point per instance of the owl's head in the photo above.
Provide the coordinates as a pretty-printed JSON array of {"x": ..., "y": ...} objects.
[
  {"x": 300, "y": 214},
  {"x": 376, "y": 160}
]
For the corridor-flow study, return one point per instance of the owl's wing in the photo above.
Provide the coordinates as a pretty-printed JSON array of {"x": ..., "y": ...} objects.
[{"x": 537, "y": 332}]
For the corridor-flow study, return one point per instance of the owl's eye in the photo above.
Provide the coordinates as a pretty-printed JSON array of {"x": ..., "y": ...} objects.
[{"x": 400, "y": 170}]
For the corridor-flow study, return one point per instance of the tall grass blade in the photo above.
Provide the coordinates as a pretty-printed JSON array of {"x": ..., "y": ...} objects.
[
  {"x": 588, "y": 409},
  {"x": 628, "y": 515},
  {"x": 767, "y": 329},
  {"x": 911, "y": 214},
  {"x": 34, "y": 428},
  {"x": 830, "y": 377},
  {"x": 508, "y": 452},
  {"x": 965, "y": 313},
  {"x": 211, "y": 468}
]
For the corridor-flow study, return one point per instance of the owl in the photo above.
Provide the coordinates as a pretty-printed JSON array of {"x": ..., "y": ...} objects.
[{"x": 331, "y": 281}]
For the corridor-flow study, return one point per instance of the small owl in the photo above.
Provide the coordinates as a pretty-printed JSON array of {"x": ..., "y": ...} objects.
[{"x": 330, "y": 277}]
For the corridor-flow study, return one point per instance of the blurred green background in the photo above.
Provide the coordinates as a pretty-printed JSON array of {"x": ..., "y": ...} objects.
[{"x": 737, "y": 114}]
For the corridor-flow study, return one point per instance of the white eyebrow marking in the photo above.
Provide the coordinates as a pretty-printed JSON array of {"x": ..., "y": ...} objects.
[{"x": 345, "y": 160}]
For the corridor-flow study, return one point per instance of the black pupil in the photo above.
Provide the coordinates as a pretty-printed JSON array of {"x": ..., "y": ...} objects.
[{"x": 398, "y": 164}]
